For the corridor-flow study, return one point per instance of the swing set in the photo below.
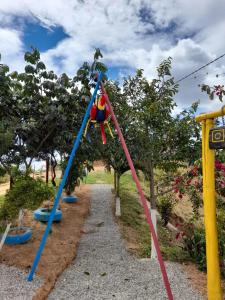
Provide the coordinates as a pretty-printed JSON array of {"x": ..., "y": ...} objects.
[{"x": 99, "y": 110}]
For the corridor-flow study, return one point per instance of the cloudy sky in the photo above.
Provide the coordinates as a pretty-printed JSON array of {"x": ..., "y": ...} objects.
[{"x": 131, "y": 34}]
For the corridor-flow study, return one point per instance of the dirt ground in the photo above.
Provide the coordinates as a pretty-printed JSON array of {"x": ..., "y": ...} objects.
[
  {"x": 61, "y": 246},
  {"x": 3, "y": 188}
]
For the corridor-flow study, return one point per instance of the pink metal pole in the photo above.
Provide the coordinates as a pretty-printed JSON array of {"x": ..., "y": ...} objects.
[{"x": 143, "y": 200}]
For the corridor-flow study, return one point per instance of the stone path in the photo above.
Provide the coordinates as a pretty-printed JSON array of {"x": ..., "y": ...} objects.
[{"x": 103, "y": 268}]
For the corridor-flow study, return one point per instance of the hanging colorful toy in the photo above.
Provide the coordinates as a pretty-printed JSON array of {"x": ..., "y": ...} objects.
[{"x": 99, "y": 114}]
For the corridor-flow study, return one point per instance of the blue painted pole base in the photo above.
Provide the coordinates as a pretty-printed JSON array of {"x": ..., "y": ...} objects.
[
  {"x": 43, "y": 215},
  {"x": 70, "y": 199},
  {"x": 21, "y": 236}
]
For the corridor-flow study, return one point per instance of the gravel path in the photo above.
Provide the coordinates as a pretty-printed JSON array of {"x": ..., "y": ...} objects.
[
  {"x": 14, "y": 286},
  {"x": 103, "y": 268}
]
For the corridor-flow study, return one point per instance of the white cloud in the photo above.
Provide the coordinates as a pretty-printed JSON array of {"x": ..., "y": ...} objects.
[
  {"x": 131, "y": 34},
  {"x": 11, "y": 47}
]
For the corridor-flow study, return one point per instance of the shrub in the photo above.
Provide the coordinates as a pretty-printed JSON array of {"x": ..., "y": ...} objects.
[
  {"x": 26, "y": 193},
  {"x": 165, "y": 206},
  {"x": 194, "y": 243},
  {"x": 76, "y": 174}
]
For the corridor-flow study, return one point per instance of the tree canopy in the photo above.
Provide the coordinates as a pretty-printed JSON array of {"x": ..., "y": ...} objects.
[{"x": 41, "y": 113}]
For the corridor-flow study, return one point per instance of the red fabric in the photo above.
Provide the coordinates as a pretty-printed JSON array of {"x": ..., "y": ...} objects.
[
  {"x": 93, "y": 112},
  {"x": 103, "y": 133},
  {"x": 143, "y": 200},
  {"x": 107, "y": 112},
  {"x": 102, "y": 100}
]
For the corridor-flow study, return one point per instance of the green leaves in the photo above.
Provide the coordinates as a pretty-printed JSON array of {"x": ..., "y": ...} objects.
[
  {"x": 40, "y": 66},
  {"x": 32, "y": 57},
  {"x": 30, "y": 69},
  {"x": 97, "y": 54},
  {"x": 216, "y": 90},
  {"x": 165, "y": 67}
]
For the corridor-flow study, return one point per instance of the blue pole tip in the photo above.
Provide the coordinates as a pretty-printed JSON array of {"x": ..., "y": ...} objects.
[{"x": 30, "y": 277}]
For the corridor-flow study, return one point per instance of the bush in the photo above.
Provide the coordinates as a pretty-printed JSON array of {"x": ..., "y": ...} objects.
[
  {"x": 26, "y": 193},
  {"x": 165, "y": 206},
  {"x": 194, "y": 243}
]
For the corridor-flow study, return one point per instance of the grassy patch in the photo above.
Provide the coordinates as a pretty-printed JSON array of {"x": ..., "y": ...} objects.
[
  {"x": 2, "y": 199},
  {"x": 4, "y": 179},
  {"x": 133, "y": 217},
  {"x": 99, "y": 177}
]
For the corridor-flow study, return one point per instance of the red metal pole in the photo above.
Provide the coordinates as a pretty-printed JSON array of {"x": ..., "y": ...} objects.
[{"x": 143, "y": 200}]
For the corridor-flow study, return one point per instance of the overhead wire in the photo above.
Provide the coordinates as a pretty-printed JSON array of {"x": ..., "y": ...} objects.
[{"x": 202, "y": 67}]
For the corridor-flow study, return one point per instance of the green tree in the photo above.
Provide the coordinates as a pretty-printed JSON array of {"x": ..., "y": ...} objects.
[
  {"x": 113, "y": 153},
  {"x": 88, "y": 150},
  {"x": 164, "y": 141}
]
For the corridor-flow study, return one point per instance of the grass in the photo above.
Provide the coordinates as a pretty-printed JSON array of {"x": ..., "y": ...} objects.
[
  {"x": 4, "y": 179},
  {"x": 99, "y": 177},
  {"x": 133, "y": 217},
  {"x": 2, "y": 199}
]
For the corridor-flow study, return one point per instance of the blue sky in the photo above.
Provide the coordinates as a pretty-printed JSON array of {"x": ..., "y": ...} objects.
[
  {"x": 132, "y": 34},
  {"x": 40, "y": 37}
]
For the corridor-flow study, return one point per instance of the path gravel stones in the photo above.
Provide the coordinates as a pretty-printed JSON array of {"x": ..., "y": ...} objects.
[
  {"x": 14, "y": 286},
  {"x": 103, "y": 268}
]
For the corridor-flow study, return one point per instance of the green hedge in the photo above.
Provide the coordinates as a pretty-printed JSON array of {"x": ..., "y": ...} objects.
[{"x": 26, "y": 193}]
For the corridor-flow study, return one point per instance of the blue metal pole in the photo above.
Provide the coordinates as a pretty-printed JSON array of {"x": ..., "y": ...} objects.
[{"x": 63, "y": 181}]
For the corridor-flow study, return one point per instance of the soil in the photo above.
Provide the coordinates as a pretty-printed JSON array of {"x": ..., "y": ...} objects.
[
  {"x": 198, "y": 279},
  {"x": 16, "y": 231},
  {"x": 60, "y": 249},
  {"x": 99, "y": 166},
  {"x": 130, "y": 236}
]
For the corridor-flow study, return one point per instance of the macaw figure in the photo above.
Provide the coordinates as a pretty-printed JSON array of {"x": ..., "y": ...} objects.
[{"x": 99, "y": 114}]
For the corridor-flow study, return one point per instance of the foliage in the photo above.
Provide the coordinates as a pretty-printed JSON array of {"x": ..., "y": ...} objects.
[
  {"x": 88, "y": 151},
  {"x": 216, "y": 90},
  {"x": 77, "y": 173},
  {"x": 164, "y": 141},
  {"x": 26, "y": 193},
  {"x": 190, "y": 183},
  {"x": 45, "y": 116},
  {"x": 112, "y": 153},
  {"x": 87, "y": 71},
  {"x": 2, "y": 199},
  {"x": 165, "y": 206},
  {"x": 195, "y": 244}
]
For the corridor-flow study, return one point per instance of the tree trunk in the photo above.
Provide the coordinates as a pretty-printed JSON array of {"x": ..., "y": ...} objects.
[
  {"x": 114, "y": 181},
  {"x": 11, "y": 181},
  {"x": 152, "y": 186},
  {"x": 47, "y": 169},
  {"x": 153, "y": 207},
  {"x": 117, "y": 184}
]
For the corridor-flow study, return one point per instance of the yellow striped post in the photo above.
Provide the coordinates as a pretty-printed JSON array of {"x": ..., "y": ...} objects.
[{"x": 209, "y": 200}]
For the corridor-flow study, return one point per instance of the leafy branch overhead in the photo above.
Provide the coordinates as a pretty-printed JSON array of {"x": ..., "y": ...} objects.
[{"x": 216, "y": 90}]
